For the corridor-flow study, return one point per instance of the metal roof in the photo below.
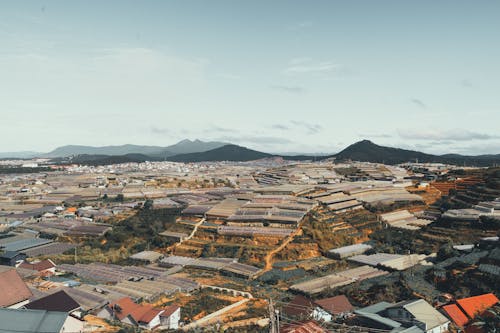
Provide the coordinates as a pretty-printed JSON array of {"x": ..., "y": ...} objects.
[
  {"x": 36, "y": 321},
  {"x": 425, "y": 313},
  {"x": 26, "y": 244}
]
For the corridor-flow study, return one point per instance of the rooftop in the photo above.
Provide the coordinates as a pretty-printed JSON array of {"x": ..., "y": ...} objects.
[
  {"x": 13, "y": 290},
  {"x": 27, "y": 321}
]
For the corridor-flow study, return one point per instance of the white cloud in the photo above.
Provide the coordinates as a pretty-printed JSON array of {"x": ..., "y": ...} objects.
[
  {"x": 444, "y": 135},
  {"x": 308, "y": 66},
  {"x": 289, "y": 89}
]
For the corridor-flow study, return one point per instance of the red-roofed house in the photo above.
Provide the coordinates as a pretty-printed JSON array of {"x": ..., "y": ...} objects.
[
  {"x": 473, "y": 306},
  {"x": 455, "y": 314},
  {"x": 13, "y": 291},
  {"x": 170, "y": 317},
  {"x": 331, "y": 307},
  {"x": 305, "y": 327},
  {"x": 325, "y": 309},
  {"x": 467, "y": 309},
  {"x": 143, "y": 315},
  {"x": 45, "y": 267}
]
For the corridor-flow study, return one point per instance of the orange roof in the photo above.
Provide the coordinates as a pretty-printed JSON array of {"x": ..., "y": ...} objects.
[
  {"x": 141, "y": 313},
  {"x": 477, "y": 304},
  {"x": 126, "y": 306},
  {"x": 454, "y": 312},
  {"x": 71, "y": 209}
]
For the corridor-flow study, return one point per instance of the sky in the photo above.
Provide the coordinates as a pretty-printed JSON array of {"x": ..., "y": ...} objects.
[{"x": 277, "y": 76}]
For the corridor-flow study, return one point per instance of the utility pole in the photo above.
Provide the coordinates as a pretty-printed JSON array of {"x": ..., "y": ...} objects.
[
  {"x": 272, "y": 318},
  {"x": 75, "y": 254},
  {"x": 277, "y": 312}
]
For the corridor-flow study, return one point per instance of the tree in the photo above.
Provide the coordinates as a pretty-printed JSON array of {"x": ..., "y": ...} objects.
[
  {"x": 148, "y": 204},
  {"x": 446, "y": 251}
]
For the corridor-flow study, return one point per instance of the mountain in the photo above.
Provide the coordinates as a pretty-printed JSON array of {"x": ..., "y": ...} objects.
[
  {"x": 224, "y": 153},
  {"x": 182, "y": 147},
  {"x": 188, "y": 147},
  {"x": 104, "y": 159},
  {"x": 72, "y": 150},
  {"x": 367, "y": 151}
]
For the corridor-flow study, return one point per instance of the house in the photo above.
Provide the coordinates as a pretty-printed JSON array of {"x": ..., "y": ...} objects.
[
  {"x": 14, "y": 293},
  {"x": 38, "y": 321},
  {"x": 11, "y": 258},
  {"x": 300, "y": 307},
  {"x": 328, "y": 308},
  {"x": 44, "y": 268},
  {"x": 456, "y": 315},
  {"x": 466, "y": 309},
  {"x": 170, "y": 318},
  {"x": 407, "y": 316},
  {"x": 304, "y": 327},
  {"x": 372, "y": 317},
  {"x": 419, "y": 313},
  {"x": 322, "y": 310},
  {"x": 59, "y": 301},
  {"x": 143, "y": 315},
  {"x": 472, "y": 306}
]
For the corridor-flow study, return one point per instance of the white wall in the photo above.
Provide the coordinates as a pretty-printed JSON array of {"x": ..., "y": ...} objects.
[
  {"x": 320, "y": 314},
  {"x": 72, "y": 325}
]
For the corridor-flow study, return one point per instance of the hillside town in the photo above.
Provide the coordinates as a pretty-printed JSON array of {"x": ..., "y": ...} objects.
[
  {"x": 222, "y": 166},
  {"x": 269, "y": 245}
]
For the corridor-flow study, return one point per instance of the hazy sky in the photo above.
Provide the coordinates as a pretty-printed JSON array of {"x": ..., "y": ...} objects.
[{"x": 279, "y": 76}]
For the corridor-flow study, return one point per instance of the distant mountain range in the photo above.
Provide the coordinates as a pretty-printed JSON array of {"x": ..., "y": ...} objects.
[
  {"x": 364, "y": 151},
  {"x": 200, "y": 151},
  {"x": 182, "y": 147}
]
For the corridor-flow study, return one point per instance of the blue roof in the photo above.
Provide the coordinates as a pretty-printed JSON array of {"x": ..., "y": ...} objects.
[
  {"x": 9, "y": 254},
  {"x": 27, "y": 321},
  {"x": 24, "y": 244}
]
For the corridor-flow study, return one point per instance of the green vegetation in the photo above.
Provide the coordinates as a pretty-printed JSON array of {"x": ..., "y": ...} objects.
[
  {"x": 400, "y": 241},
  {"x": 134, "y": 234},
  {"x": 17, "y": 169},
  {"x": 144, "y": 226}
]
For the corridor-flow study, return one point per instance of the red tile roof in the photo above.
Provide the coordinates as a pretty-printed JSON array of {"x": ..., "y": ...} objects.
[
  {"x": 473, "y": 306},
  {"x": 140, "y": 312},
  {"x": 123, "y": 307},
  {"x": 38, "y": 266},
  {"x": 306, "y": 327},
  {"x": 299, "y": 306},
  {"x": 335, "y": 305},
  {"x": 455, "y": 314},
  {"x": 12, "y": 289},
  {"x": 146, "y": 316},
  {"x": 169, "y": 310}
]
